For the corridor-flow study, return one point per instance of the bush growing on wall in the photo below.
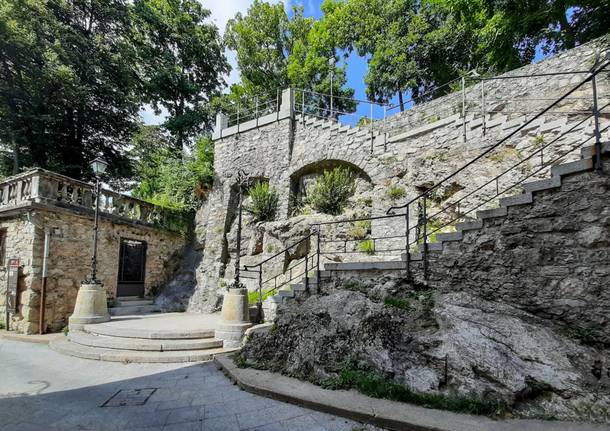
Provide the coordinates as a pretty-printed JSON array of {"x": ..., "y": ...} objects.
[
  {"x": 264, "y": 201},
  {"x": 330, "y": 192}
]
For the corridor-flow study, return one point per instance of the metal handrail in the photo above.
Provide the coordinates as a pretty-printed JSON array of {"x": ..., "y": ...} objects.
[{"x": 501, "y": 141}]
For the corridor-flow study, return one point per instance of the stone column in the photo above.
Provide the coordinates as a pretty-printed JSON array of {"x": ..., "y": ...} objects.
[
  {"x": 222, "y": 122},
  {"x": 90, "y": 307},
  {"x": 235, "y": 318}
]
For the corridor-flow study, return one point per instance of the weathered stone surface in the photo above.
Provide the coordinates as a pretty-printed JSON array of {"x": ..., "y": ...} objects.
[{"x": 491, "y": 350}]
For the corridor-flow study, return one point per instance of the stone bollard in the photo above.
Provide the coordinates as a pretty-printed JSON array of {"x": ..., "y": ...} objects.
[
  {"x": 235, "y": 318},
  {"x": 90, "y": 307}
]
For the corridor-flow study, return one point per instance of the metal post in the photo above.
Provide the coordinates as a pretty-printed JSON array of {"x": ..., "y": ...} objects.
[
  {"x": 385, "y": 131},
  {"x": 371, "y": 125},
  {"x": 318, "y": 275},
  {"x": 307, "y": 272},
  {"x": 93, "y": 277},
  {"x": 408, "y": 255},
  {"x": 303, "y": 106},
  {"x": 238, "y": 117},
  {"x": 464, "y": 108},
  {"x": 598, "y": 142},
  {"x": 331, "y": 93},
  {"x": 425, "y": 251},
  {"x": 241, "y": 176},
  {"x": 483, "y": 107},
  {"x": 260, "y": 292},
  {"x": 256, "y": 109}
]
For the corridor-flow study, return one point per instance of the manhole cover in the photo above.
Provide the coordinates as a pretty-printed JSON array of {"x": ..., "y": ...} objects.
[{"x": 129, "y": 397}]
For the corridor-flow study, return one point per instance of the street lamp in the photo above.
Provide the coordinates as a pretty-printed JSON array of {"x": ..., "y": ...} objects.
[
  {"x": 91, "y": 301},
  {"x": 242, "y": 178},
  {"x": 98, "y": 165}
]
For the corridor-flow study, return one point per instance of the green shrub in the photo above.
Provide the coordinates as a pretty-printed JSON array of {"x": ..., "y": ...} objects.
[
  {"x": 330, "y": 192},
  {"x": 367, "y": 246},
  {"x": 396, "y": 192},
  {"x": 253, "y": 296},
  {"x": 264, "y": 201}
]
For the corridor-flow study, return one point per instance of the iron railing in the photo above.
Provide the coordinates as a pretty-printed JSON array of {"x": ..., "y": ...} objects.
[
  {"x": 450, "y": 211},
  {"x": 252, "y": 108}
]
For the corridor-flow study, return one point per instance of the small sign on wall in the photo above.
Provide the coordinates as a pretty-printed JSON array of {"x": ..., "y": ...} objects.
[{"x": 12, "y": 283}]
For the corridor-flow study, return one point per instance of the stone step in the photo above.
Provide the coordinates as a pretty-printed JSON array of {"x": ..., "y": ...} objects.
[
  {"x": 522, "y": 199},
  {"x": 432, "y": 246},
  {"x": 286, "y": 293},
  {"x": 131, "y": 356},
  {"x": 449, "y": 236},
  {"x": 128, "y": 310},
  {"x": 540, "y": 185},
  {"x": 586, "y": 152},
  {"x": 492, "y": 213},
  {"x": 168, "y": 334},
  {"x": 469, "y": 225},
  {"x": 129, "y": 298},
  {"x": 572, "y": 167},
  {"x": 141, "y": 344},
  {"x": 365, "y": 266},
  {"x": 132, "y": 302}
]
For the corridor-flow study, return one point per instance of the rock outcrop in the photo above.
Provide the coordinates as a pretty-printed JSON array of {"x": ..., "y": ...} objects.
[{"x": 444, "y": 343}]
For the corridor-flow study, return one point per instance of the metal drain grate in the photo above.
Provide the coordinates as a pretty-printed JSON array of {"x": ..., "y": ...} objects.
[{"x": 129, "y": 397}]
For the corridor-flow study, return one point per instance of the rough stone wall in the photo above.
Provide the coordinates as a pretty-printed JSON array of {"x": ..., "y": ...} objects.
[
  {"x": 70, "y": 258},
  {"x": 549, "y": 258},
  {"x": 410, "y": 150}
]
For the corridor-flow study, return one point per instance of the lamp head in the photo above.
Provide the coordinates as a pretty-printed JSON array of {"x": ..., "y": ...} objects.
[{"x": 99, "y": 166}]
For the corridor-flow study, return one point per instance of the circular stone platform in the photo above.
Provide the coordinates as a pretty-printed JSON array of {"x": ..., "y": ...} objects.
[{"x": 170, "y": 337}]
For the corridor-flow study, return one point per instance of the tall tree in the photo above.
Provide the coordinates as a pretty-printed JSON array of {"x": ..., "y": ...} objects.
[
  {"x": 182, "y": 62},
  {"x": 275, "y": 51},
  {"x": 67, "y": 80}
]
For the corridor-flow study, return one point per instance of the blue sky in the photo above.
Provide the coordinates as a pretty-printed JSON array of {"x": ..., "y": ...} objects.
[{"x": 222, "y": 10}]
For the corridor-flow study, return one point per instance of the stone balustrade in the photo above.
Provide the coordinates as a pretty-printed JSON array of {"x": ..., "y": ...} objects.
[{"x": 41, "y": 187}]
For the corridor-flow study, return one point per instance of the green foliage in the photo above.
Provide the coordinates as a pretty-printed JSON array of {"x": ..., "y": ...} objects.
[
  {"x": 181, "y": 57},
  {"x": 264, "y": 201},
  {"x": 400, "y": 303},
  {"x": 253, "y": 296},
  {"x": 587, "y": 336},
  {"x": 279, "y": 50},
  {"x": 169, "y": 181},
  {"x": 354, "y": 285},
  {"x": 74, "y": 75},
  {"x": 367, "y": 246},
  {"x": 66, "y": 330},
  {"x": 331, "y": 190},
  {"x": 539, "y": 140},
  {"x": 396, "y": 192},
  {"x": 375, "y": 385}
]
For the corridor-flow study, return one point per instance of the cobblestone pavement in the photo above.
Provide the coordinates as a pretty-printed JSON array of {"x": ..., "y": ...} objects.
[{"x": 43, "y": 390}]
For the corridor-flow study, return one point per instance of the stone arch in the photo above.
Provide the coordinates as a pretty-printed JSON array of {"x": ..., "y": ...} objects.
[{"x": 315, "y": 168}]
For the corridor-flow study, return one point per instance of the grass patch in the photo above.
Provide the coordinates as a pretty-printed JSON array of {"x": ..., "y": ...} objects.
[
  {"x": 505, "y": 153},
  {"x": 396, "y": 192},
  {"x": 360, "y": 229},
  {"x": 403, "y": 304},
  {"x": 587, "y": 336},
  {"x": 354, "y": 286},
  {"x": 253, "y": 296},
  {"x": 367, "y": 246},
  {"x": 375, "y": 385}
]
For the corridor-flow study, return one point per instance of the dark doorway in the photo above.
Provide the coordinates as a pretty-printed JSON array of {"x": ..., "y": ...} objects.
[{"x": 132, "y": 267}]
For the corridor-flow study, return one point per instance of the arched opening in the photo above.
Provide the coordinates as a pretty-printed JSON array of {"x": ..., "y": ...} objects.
[{"x": 301, "y": 179}]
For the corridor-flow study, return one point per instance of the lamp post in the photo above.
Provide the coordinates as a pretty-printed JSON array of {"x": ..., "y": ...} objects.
[
  {"x": 98, "y": 166},
  {"x": 235, "y": 315},
  {"x": 91, "y": 303},
  {"x": 241, "y": 180}
]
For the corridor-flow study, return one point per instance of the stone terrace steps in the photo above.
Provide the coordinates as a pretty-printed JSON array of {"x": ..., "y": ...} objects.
[
  {"x": 531, "y": 188},
  {"x": 172, "y": 337},
  {"x": 133, "y": 305},
  {"x": 127, "y": 356}
]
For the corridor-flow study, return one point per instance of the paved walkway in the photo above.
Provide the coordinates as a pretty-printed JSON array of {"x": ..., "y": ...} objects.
[{"x": 43, "y": 390}]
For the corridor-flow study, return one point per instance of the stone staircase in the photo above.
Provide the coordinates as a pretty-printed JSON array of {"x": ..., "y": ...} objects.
[
  {"x": 160, "y": 338},
  {"x": 292, "y": 291},
  {"x": 133, "y": 305},
  {"x": 586, "y": 163},
  {"x": 335, "y": 127}
]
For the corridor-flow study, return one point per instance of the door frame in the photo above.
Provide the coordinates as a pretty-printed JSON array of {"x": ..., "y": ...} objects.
[{"x": 119, "y": 272}]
